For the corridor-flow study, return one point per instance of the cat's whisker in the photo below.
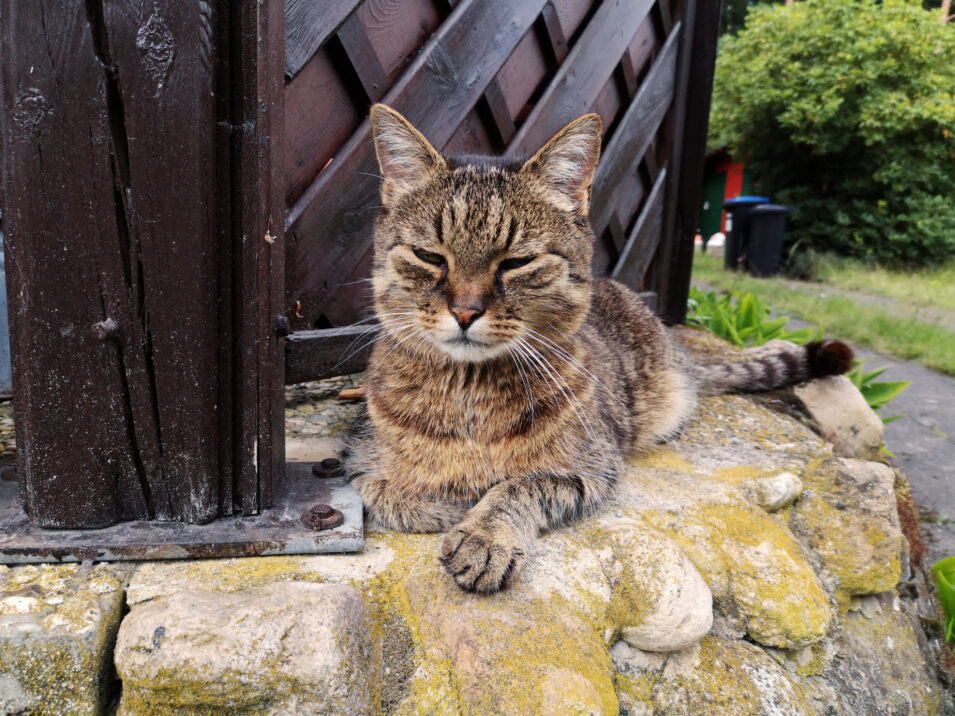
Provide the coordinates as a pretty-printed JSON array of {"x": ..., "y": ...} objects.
[
  {"x": 380, "y": 329},
  {"x": 573, "y": 363},
  {"x": 524, "y": 380},
  {"x": 571, "y": 398}
]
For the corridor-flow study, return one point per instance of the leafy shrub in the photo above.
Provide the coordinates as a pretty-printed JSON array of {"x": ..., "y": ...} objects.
[
  {"x": 876, "y": 394},
  {"x": 845, "y": 109},
  {"x": 944, "y": 573},
  {"x": 743, "y": 322}
]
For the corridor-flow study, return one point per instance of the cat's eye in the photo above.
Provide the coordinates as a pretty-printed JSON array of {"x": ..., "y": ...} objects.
[
  {"x": 508, "y": 264},
  {"x": 428, "y": 257}
]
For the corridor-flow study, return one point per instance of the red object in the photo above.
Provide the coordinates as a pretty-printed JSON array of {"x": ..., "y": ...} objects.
[{"x": 734, "y": 183}]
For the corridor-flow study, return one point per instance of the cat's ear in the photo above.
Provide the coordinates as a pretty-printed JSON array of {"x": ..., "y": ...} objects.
[
  {"x": 404, "y": 155},
  {"x": 566, "y": 164}
]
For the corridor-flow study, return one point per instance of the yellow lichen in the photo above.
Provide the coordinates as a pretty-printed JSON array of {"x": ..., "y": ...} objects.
[{"x": 750, "y": 559}]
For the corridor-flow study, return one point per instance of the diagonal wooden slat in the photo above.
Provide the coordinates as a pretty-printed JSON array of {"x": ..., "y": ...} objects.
[
  {"x": 556, "y": 42},
  {"x": 329, "y": 227},
  {"x": 578, "y": 82},
  {"x": 364, "y": 61},
  {"x": 636, "y": 130},
  {"x": 644, "y": 238},
  {"x": 308, "y": 24}
]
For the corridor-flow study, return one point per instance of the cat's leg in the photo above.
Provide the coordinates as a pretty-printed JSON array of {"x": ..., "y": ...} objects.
[
  {"x": 397, "y": 509},
  {"x": 489, "y": 547}
]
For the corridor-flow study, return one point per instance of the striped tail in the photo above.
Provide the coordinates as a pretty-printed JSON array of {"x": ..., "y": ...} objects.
[{"x": 775, "y": 365}]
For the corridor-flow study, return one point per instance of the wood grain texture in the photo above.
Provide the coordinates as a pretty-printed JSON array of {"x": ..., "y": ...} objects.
[
  {"x": 644, "y": 238},
  {"x": 313, "y": 355},
  {"x": 588, "y": 67},
  {"x": 140, "y": 436},
  {"x": 308, "y": 24},
  {"x": 635, "y": 132},
  {"x": 699, "y": 55}
]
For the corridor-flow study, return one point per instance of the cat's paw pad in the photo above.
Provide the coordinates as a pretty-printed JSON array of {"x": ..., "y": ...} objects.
[{"x": 483, "y": 561}]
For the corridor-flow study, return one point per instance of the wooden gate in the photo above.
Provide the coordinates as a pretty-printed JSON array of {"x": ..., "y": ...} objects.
[{"x": 489, "y": 76}]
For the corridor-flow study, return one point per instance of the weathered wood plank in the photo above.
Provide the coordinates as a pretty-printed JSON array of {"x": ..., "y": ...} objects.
[
  {"x": 588, "y": 66},
  {"x": 643, "y": 239},
  {"x": 312, "y": 355},
  {"x": 555, "y": 44},
  {"x": 636, "y": 131},
  {"x": 698, "y": 59},
  {"x": 270, "y": 242},
  {"x": 173, "y": 234},
  {"x": 364, "y": 61},
  {"x": 329, "y": 227},
  {"x": 308, "y": 24},
  {"x": 139, "y": 436},
  {"x": 497, "y": 106}
]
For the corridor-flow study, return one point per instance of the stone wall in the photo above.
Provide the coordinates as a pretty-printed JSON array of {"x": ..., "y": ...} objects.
[{"x": 742, "y": 569}]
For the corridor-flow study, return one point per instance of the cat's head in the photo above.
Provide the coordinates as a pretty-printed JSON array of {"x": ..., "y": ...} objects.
[{"x": 474, "y": 255}]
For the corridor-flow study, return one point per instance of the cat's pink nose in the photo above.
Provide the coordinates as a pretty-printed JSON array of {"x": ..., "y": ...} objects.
[{"x": 466, "y": 314}]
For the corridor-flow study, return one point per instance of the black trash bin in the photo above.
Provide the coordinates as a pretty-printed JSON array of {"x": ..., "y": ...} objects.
[
  {"x": 737, "y": 234},
  {"x": 767, "y": 227}
]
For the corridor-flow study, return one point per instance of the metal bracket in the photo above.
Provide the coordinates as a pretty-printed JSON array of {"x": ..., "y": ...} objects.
[{"x": 299, "y": 523}]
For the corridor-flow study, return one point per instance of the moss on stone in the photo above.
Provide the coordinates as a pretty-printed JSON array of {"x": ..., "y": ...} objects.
[{"x": 752, "y": 562}]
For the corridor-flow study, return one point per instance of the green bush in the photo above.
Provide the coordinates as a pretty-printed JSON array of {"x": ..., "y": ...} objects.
[{"x": 845, "y": 109}]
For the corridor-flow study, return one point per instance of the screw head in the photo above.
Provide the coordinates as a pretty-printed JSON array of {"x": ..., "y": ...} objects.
[
  {"x": 329, "y": 467},
  {"x": 322, "y": 517}
]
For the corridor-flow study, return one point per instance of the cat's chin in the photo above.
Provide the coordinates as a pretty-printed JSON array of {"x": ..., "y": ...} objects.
[{"x": 470, "y": 351}]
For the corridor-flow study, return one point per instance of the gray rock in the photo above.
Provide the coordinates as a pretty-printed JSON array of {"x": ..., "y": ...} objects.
[
  {"x": 843, "y": 416},
  {"x": 773, "y": 493},
  {"x": 851, "y": 521},
  {"x": 57, "y": 628},
  {"x": 290, "y": 648}
]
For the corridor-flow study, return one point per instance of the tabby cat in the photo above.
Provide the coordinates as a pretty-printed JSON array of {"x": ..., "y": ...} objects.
[{"x": 507, "y": 384}]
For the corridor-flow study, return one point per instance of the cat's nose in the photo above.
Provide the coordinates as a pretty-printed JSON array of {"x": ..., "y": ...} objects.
[{"x": 466, "y": 313}]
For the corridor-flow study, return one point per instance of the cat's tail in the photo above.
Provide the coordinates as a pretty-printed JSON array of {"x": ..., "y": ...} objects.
[{"x": 777, "y": 364}]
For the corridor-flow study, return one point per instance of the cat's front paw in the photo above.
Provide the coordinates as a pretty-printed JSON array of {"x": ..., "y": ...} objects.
[{"x": 482, "y": 558}]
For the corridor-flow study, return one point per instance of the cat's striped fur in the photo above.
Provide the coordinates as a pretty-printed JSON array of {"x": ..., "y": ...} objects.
[{"x": 506, "y": 384}]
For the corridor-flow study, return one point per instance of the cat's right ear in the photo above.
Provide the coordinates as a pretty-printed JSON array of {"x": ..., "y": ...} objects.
[{"x": 405, "y": 157}]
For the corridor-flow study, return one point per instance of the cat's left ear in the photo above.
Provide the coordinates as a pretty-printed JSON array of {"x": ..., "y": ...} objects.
[
  {"x": 404, "y": 155},
  {"x": 566, "y": 164}
]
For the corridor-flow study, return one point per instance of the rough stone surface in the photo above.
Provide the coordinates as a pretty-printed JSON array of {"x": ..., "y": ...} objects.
[
  {"x": 724, "y": 578},
  {"x": 292, "y": 648},
  {"x": 842, "y": 414},
  {"x": 57, "y": 628},
  {"x": 851, "y": 521},
  {"x": 775, "y": 492}
]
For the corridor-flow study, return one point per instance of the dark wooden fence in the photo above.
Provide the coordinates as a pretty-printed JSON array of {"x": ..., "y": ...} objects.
[
  {"x": 171, "y": 207},
  {"x": 489, "y": 76}
]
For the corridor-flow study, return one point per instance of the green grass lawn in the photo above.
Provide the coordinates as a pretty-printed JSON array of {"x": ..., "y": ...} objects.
[
  {"x": 900, "y": 332},
  {"x": 930, "y": 287}
]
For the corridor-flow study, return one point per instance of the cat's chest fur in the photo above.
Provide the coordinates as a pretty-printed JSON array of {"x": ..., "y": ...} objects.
[{"x": 457, "y": 432}]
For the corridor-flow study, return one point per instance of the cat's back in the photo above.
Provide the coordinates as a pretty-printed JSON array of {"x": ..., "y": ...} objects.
[{"x": 620, "y": 317}]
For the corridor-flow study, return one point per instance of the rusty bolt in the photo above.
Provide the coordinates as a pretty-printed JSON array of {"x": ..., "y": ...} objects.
[
  {"x": 329, "y": 467},
  {"x": 322, "y": 517},
  {"x": 106, "y": 330},
  {"x": 281, "y": 325}
]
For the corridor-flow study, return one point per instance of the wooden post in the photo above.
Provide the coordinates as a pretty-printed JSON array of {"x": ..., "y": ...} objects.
[
  {"x": 130, "y": 160},
  {"x": 671, "y": 278}
]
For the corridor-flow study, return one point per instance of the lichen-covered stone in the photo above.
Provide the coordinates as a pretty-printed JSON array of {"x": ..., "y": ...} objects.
[
  {"x": 716, "y": 676},
  {"x": 659, "y": 601},
  {"x": 57, "y": 628},
  {"x": 879, "y": 668},
  {"x": 290, "y": 648},
  {"x": 843, "y": 416},
  {"x": 774, "y": 492},
  {"x": 851, "y": 521}
]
